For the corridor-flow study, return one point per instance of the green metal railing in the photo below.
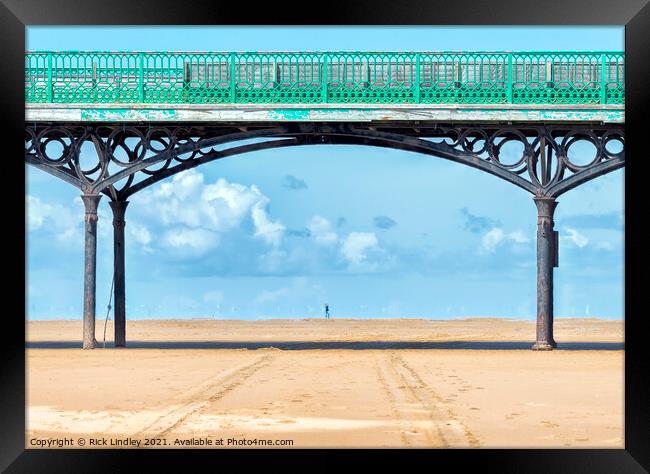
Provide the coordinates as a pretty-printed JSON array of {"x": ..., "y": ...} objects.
[{"x": 326, "y": 77}]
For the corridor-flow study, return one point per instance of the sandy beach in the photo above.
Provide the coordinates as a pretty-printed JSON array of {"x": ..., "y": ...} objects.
[{"x": 327, "y": 383}]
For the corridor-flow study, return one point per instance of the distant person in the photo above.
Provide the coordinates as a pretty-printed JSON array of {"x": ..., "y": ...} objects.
[{"x": 327, "y": 311}]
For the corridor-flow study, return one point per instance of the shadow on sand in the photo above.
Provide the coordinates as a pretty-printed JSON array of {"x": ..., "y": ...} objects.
[{"x": 352, "y": 345}]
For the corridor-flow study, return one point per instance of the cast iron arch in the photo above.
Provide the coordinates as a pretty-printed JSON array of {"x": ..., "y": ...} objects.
[{"x": 543, "y": 169}]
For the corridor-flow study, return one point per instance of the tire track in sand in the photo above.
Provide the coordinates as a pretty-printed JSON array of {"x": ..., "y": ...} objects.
[
  {"x": 420, "y": 411},
  {"x": 392, "y": 399},
  {"x": 453, "y": 432},
  {"x": 413, "y": 415},
  {"x": 200, "y": 396}
]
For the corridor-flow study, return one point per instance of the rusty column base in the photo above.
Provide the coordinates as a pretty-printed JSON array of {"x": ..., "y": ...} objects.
[
  {"x": 544, "y": 346},
  {"x": 88, "y": 344}
]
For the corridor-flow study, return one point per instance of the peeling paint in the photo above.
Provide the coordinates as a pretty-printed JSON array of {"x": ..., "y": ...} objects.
[
  {"x": 289, "y": 114},
  {"x": 87, "y": 113},
  {"x": 549, "y": 114},
  {"x": 110, "y": 115}
]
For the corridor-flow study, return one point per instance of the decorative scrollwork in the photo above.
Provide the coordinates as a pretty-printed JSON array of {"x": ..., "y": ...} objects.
[{"x": 125, "y": 159}]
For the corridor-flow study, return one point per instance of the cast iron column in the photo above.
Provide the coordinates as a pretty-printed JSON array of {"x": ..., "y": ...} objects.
[
  {"x": 91, "y": 201},
  {"x": 119, "y": 208},
  {"x": 545, "y": 262}
]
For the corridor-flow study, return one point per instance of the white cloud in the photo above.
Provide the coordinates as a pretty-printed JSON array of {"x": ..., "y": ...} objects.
[
  {"x": 357, "y": 244},
  {"x": 139, "y": 233},
  {"x": 273, "y": 260},
  {"x": 199, "y": 240},
  {"x": 321, "y": 231},
  {"x": 270, "y": 231},
  {"x": 227, "y": 204},
  {"x": 576, "y": 237},
  {"x": 492, "y": 239},
  {"x": 518, "y": 237},
  {"x": 37, "y": 211},
  {"x": 496, "y": 236},
  {"x": 64, "y": 221},
  {"x": 207, "y": 209}
]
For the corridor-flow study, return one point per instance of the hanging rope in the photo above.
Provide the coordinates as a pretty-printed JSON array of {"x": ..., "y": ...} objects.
[{"x": 108, "y": 308}]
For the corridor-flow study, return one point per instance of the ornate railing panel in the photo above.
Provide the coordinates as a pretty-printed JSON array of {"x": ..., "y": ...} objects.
[
  {"x": 325, "y": 77},
  {"x": 568, "y": 78}
]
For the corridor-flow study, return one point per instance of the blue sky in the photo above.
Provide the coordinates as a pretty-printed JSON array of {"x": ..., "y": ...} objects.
[{"x": 373, "y": 232}]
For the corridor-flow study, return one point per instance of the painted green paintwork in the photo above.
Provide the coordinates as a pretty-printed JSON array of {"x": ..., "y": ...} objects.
[
  {"x": 289, "y": 114},
  {"x": 108, "y": 115},
  {"x": 325, "y": 77}
]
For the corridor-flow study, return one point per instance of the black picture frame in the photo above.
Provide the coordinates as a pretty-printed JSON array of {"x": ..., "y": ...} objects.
[{"x": 16, "y": 14}]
